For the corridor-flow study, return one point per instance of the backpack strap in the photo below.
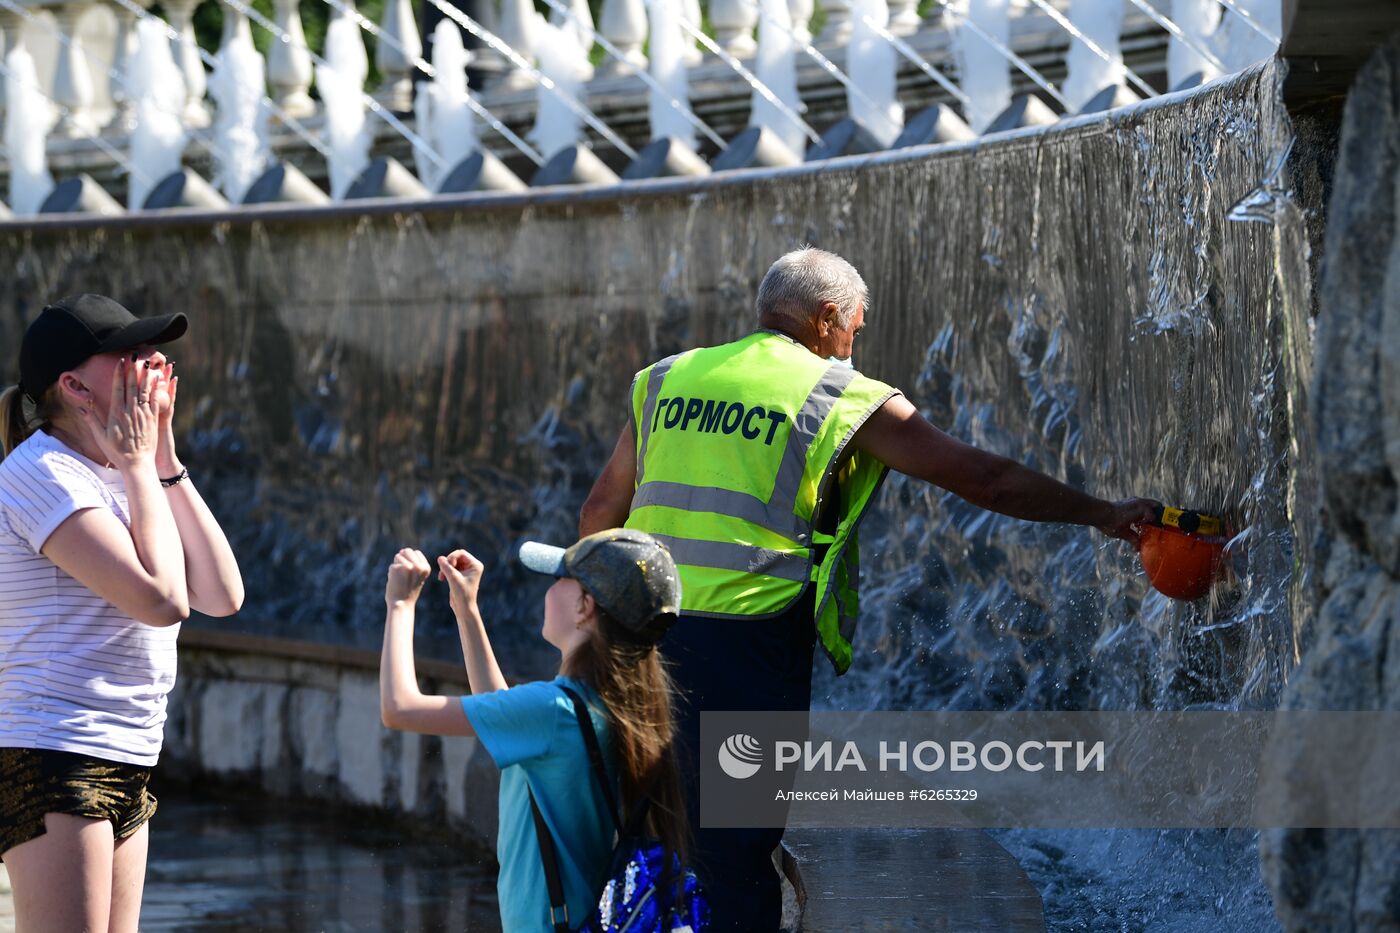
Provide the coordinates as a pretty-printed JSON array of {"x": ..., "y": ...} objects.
[
  {"x": 595, "y": 754},
  {"x": 558, "y": 907}
]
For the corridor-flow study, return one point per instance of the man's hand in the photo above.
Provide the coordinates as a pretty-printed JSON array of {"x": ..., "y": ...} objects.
[
  {"x": 407, "y": 574},
  {"x": 1126, "y": 515}
]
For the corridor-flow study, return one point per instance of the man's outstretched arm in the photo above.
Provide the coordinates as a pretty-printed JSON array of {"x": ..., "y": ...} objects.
[
  {"x": 902, "y": 439},
  {"x": 610, "y": 500}
]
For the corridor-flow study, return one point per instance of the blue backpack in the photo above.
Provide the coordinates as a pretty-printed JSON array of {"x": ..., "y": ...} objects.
[{"x": 643, "y": 894}]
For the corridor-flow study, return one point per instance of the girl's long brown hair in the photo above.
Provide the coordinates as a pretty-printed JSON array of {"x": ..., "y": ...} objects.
[
  {"x": 634, "y": 684},
  {"x": 15, "y": 424}
]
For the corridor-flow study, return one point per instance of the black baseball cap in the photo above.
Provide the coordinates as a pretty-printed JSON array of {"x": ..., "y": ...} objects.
[
  {"x": 628, "y": 572},
  {"x": 69, "y": 331}
]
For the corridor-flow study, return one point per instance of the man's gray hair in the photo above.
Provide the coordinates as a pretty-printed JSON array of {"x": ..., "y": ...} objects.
[{"x": 800, "y": 282}]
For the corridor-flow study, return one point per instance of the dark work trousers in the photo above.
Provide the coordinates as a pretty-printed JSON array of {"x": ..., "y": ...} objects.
[{"x": 743, "y": 664}]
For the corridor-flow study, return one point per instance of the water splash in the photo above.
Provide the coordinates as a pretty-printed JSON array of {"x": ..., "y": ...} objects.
[
  {"x": 341, "y": 81},
  {"x": 981, "y": 65},
  {"x": 775, "y": 66},
  {"x": 158, "y": 139},
  {"x": 562, "y": 60},
  {"x": 28, "y": 118},
  {"x": 1101, "y": 21},
  {"x": 669, "y": 70},
  {"x": 240, "y": 128},
  {"x": 871, "y": 63},
  {"x": 442, "y": 108}
]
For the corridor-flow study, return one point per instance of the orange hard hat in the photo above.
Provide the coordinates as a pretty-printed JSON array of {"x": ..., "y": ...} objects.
[{"x": 1180, "y": 565}]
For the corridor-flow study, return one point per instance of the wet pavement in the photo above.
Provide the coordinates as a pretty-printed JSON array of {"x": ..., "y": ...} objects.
[{"x": 250, "y": 863}]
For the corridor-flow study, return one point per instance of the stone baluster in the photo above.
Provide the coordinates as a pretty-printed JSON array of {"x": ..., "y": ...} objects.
[
  {"x": 904, "y": 17},
  {"x": 733, "y": 21},
  {"x": 690, "y": 9},
  {"x": 838, "y": 22},
  {"x": 72, "y": 81},
  {"x": 800, "y": 12},
  {"x": 624, "y": 24},
  {"x": 517, "y": 31},
  {"x": 396, "y": 64},
  {"x": 180, "y": 15},
  {"x": 289, "y": 63},
  {"x": 123, "y": 53},
  {"x": 236, "y": 24}
]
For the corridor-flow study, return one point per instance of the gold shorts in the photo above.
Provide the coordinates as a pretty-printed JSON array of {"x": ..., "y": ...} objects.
[{"x": 35, "y": 782}]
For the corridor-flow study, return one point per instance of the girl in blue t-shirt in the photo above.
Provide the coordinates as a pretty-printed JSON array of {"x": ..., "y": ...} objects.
[{"x": 617, "y": 593}]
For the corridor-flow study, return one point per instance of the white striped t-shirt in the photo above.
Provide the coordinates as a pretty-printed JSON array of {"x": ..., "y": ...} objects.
[{"x": 76, "y": 673}]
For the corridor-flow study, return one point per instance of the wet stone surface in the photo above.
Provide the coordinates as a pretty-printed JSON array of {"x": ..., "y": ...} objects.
[{"x": 244, "y": 864}]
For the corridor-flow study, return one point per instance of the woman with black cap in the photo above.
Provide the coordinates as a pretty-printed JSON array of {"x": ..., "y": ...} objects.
[{"x": 105, "y": 546}]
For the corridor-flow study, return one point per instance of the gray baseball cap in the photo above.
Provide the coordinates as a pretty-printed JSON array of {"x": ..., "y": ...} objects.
[{"x": 629, "y": 573}]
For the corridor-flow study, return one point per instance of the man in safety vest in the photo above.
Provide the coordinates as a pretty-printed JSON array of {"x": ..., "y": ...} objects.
[{"x": 753, "y": 462}]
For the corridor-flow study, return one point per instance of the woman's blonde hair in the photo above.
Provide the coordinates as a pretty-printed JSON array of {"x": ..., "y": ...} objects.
[
  {"x": 15, "y": 423},
  {"x": 633, "y": 681}
]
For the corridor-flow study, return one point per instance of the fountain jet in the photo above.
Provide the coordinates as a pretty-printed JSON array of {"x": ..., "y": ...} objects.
[
  {"x": 28, "y": 118},
  {"x": 341, "y": 80},
  {"x": 236, "y": 85},
  {"x": 157, "y": 86}
]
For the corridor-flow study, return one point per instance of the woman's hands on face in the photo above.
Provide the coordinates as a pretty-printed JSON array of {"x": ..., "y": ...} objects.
[
  {"x": 127, "y": 433},
  {"x": 462, "y": 571},
  {"x": 407, "y": 574}
]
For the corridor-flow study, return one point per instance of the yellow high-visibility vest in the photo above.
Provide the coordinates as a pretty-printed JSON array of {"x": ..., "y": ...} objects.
[{"x": 742, "y": 461}]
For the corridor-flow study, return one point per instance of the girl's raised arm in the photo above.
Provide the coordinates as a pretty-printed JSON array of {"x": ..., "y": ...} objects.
[
  {"x": 462, "y": 572},
  {"x": 402, "y": 705}
]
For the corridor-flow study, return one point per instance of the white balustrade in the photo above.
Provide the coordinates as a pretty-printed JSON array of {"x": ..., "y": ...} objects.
[
  {"x": 180, "y": 15},
  {"x": 72, "y": 80},
  {"x": 289, "y": 63},
  {"x": 904, "y": 17},
  {"x": 395, "y": 56},
  {"x": 734, "y": 21},
  {"x": 517, "y": 30},
  {"x": 690, "y": 9},
  {"x": 624, "y": 24}
]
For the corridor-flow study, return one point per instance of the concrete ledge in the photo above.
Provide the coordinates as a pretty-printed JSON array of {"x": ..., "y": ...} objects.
[{"x": 301, "y": 719}]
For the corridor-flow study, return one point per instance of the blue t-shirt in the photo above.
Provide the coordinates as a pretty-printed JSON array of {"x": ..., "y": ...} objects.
[{"x": 531, "y": 733}]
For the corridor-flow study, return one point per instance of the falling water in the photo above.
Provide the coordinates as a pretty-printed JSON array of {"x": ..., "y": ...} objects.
[
  {"x": 158, "y": 139},
  {"x": 28, "y": 119},
  {"x": 441, "y": 106},
  {"x": 341, "y": 81},
  {"x": 240, "y": 127},
  {"x": 871, "y": 63},
  {"x": 562, "y": 60},
  {"x": 669, "y": 70},
  {"x": 1101, "y": 21},
  {"x": 984, "y": 75},
  {"x": 1197, "y": 20},
  {"x": 776, "y": 67}
]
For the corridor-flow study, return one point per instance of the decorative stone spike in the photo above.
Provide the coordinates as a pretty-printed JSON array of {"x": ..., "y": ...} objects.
[
  {"x": 386, "y": 178},
  {"x": 184, "y": 189},
  {"x": 480, "y": 171},
  {"x": 396, "y": 64},
  {"x": 289, "y": 64},
  {"x": 1025, "y": 110},
  {"x": 284, "y": 182},
  {"x": 846, "y": 137},
  {"x": 733, "y": 21},
  {"x": 1115, "y": 95},
  {"x": 936, "y": 124},
  {"x": 574, "y": 165},
  {"x": 624, "y": 24},
  {"x": 80, "y": 195},
  {"x": 665, "y": 158},
  {"x": 755, "y": 147}
]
